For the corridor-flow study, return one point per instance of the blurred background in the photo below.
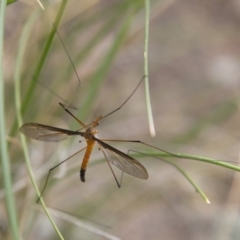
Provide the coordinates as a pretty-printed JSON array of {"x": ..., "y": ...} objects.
[{"x": 194, "y": 59}]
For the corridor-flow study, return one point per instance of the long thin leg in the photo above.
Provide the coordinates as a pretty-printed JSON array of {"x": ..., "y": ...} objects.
[
  {"x": 119, "y": 185},
  {"x": 69, "y": 105},
  {"x": 79, "y": 81},
  {"x": 137, "y": 141},
  {"x": 85, "y": 126},
  {"x": 49, "y": 172},
  {"x": 81, "y": 123},
  {"x": 126, "y": 99},
  {"x": 121, "y": 178}
]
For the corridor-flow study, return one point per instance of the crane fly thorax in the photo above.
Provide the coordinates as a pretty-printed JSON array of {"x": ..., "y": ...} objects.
[{"x": 90, "y": 132}]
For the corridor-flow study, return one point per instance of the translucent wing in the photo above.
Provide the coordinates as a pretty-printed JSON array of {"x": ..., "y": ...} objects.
[
  {"x": 46, "y": 133},
  {"x": 123, "y": 161}
]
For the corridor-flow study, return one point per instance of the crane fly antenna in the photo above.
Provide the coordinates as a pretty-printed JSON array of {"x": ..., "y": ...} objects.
[
  {"x": 79, "y": 81},
  {"x": 126, "y": 99}
]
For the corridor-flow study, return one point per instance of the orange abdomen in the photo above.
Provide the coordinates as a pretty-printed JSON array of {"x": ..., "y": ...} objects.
[{"x": 90, "y": 145}]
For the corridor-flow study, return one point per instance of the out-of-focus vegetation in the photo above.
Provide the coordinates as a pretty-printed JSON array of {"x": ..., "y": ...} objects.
[{"x": 194, "y": 76}]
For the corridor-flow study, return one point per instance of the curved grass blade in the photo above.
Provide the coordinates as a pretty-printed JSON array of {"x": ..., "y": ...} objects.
[
  {"x": 197, "y": 188},
  {"x": 6, "y": 169},
  {"x": 22, "y": 47},
  {"x": 26, "y": 101},
  {"x": 148, "y": 100}
]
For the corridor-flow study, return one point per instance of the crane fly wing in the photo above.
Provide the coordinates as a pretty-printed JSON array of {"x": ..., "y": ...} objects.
[
  {"x": 123, "y": 161},
  {"x": 46, "y": 133},
  {"x": 126, "y": 163}
]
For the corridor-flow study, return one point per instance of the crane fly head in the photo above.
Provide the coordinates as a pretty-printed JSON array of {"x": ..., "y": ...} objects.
[{"x": 95, "y": 122}]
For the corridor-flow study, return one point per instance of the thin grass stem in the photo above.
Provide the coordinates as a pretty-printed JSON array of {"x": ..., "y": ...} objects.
[
  {"x": 27, "y": 98},
  {"x": 197, "y": 188},
  {"x": 22, "y": 49},
  {"x": 98, "y": 76},
  {"x": 147, "y": 93},
  {"x": 6, "y": 168}
]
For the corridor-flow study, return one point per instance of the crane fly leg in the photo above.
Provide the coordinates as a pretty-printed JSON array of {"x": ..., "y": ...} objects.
[
  {"x": 80, "y": 122},
  {"x": 102, "y": 117},
  {"x": 118, "y": 184},
  {"x": 50, "y": 170},
  {"x": 146, "y": 144},
  {"x": 135, "y": 89}
]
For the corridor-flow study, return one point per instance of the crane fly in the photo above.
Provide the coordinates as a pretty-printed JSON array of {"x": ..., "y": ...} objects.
[
  {"x": 113, "y": 156},
  {"x": 52, "y": 134}
]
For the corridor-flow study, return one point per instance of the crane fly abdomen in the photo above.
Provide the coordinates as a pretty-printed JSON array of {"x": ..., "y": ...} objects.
[
  {"x": 90, "y": 145},
  {"x": 88, "y": 135}
]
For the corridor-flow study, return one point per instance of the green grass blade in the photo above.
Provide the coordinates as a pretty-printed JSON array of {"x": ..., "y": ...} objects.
[
  {"x": 197, "y": 188},
  {"x": 10, "y": 1},
  {"x": 94, "y": 41},
  {"x": 198, "y": 158},
  {"x": 22, "y": 48},
  {"x": 6, "y": 170},
  {"x": 98, "y": 76},
  {"x": 39, "y": 66}
]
